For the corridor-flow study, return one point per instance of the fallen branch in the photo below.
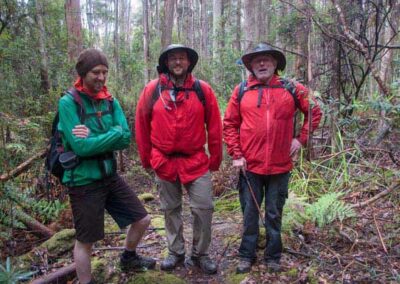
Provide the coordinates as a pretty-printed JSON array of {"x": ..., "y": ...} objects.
[
  {"x": 32, "y": 223},
  {"x": 22, "y": 167},
  {"x": 61, "y": 275},
  {"x": 376, "y": 197},
  {"x": 379, "y": 233},
  {"x": 122, "y": 248}
]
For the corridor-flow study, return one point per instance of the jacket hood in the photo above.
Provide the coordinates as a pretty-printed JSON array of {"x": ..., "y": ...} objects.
[{"x": 192, "y": 55}]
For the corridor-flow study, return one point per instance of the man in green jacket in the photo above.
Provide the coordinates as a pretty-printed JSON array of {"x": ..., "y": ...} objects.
[{"x": 92, "y": 136}]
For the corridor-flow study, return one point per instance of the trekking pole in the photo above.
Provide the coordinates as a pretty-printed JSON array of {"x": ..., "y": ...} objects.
[{"x": 253, "y": 195}]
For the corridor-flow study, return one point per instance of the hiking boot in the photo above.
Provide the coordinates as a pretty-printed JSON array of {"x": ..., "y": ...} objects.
[
  {"x": 206, "y": 264},
  {"x": 244, "y": 266},
  {"x": 273, "y": 266},
  {"x": 136, "y": 263},
  {"x": 171, "y": 261}
]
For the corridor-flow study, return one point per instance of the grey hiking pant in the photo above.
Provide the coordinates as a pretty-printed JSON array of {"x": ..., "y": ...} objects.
[{"x": 201, "y": 204}]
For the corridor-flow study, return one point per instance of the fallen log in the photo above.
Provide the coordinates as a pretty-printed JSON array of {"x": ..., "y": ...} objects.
[
  {"x": 23, "y": 166},
  {"x": 32, "y": 223},
  {"x": 61, "y": 275}
]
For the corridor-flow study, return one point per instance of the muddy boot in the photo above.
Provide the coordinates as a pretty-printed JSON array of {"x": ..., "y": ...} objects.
[
  {"x": 136, "y": 262},
  {"x": 171, "y": 261},
  {"x": 244, "y": 266},
  {"x": 206, "y": 264},
  {"x": 273, "y": 266}
]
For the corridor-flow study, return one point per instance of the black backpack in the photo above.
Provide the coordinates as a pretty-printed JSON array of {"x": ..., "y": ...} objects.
[{"x": 55, "y": 147}]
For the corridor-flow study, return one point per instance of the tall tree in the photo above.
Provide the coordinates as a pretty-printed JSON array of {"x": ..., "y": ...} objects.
[
  {"x": 146, "y": 39},
  {"x": 204, "y": 28},
  {"x": 217, "y": 20},
  {"x": 391, "y": 31},
  {"x": 44, "y": 74},
  {"x": 74, "y": 28},
  {"x": 168, "y": 21},
  {"x": 238, "y": 25},
  {"x": 116, "y": 34},
  {"x": 250, "y": 23}
]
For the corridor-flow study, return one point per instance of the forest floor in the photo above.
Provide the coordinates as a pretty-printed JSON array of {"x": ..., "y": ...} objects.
[{"x": 363, "y": 249}]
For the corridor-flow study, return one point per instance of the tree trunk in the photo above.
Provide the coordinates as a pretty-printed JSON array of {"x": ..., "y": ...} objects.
[
  {"x": 302, "y": 31},
  {"x": 89, "y": 16},
  {"x": 204, "y": 28},
  {"x": 217, "y": 15},
  {"x": 391, "y": 32},
  {"x": 44, "y": 74},
  {"x": 146, "y": 40},
  {"x": 116, "y": 37},
  {"x": 74, "y": 28},
  {"x": 249, "y": 24},
  {"x": 187, "y": 24},
  {"x": 238, "y": 25},
  {"x": 168, "y": 21}
]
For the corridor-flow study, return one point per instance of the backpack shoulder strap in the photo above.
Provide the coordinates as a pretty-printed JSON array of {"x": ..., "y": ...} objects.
[
  {"x": 242, "y": 90},
  {"x": 199, "y": 92},
  {"x": 155, "y": 95},
  {"x": 78, "y": 100},
  {"x": 291, "y": 87}
]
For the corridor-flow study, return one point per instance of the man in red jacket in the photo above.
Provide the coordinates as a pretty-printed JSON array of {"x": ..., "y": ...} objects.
[
  {"x": 174, "y": 121},
  {"x": 258, "y": 131}
]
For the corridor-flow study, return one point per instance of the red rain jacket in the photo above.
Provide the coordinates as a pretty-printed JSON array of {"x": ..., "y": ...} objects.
[
  {"x": 171, "y": 137},
  {"x": 263, "y": 135}
]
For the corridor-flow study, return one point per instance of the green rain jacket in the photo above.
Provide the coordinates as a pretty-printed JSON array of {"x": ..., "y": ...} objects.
[{"x": 108, "y": 133}]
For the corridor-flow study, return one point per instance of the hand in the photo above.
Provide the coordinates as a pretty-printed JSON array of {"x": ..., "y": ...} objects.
[
  {"x": 240, "y": 164},
  {"x": 294, "y": 148},
  {"x": 81, "y": 131}
]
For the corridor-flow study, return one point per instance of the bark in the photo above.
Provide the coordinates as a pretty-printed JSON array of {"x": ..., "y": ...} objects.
[
  {"x": 44, "y": 74},
  {"x": 74, "y": 28},
  {"x": 146, "y": 53},
  {"x": 157, "y": 21},
  {"x": 238, "y": 25},
  {"x": 116, "y": 36},
  {"x": 204, "y": 28},
  {"x": 261, "y": 16},
  {"x": 390, "y": 34},
  {"x": 302, "y": 31},
  {"x": 187, "y": 22},
  {"x": 32, "y": 223},
  {"x": 89, "y": 16},
  {"x": 217, "y": 15},
  {"x": 168, "y": 21},
  {"x": 249, "y": 24}
]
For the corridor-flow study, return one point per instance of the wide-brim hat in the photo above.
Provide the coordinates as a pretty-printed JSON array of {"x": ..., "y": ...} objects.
[
  {"x": 192, "y": 55},
  {"x": 264, "y": 48}
]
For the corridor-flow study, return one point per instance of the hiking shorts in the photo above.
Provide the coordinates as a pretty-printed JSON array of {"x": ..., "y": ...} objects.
[{"x": 89, "y": 201}]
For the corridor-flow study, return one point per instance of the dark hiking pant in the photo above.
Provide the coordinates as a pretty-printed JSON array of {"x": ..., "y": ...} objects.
[{"x": 275, "y": 189}]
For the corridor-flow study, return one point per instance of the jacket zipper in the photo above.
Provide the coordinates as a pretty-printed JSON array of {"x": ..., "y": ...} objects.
[{"x": 268, "y": 126}]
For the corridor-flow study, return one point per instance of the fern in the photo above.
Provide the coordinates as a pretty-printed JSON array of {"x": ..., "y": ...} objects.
[
  {"x": 328, "y": 209},
  {"x": 48, "y": 211},
  {"x": 5, "y": 217}
]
